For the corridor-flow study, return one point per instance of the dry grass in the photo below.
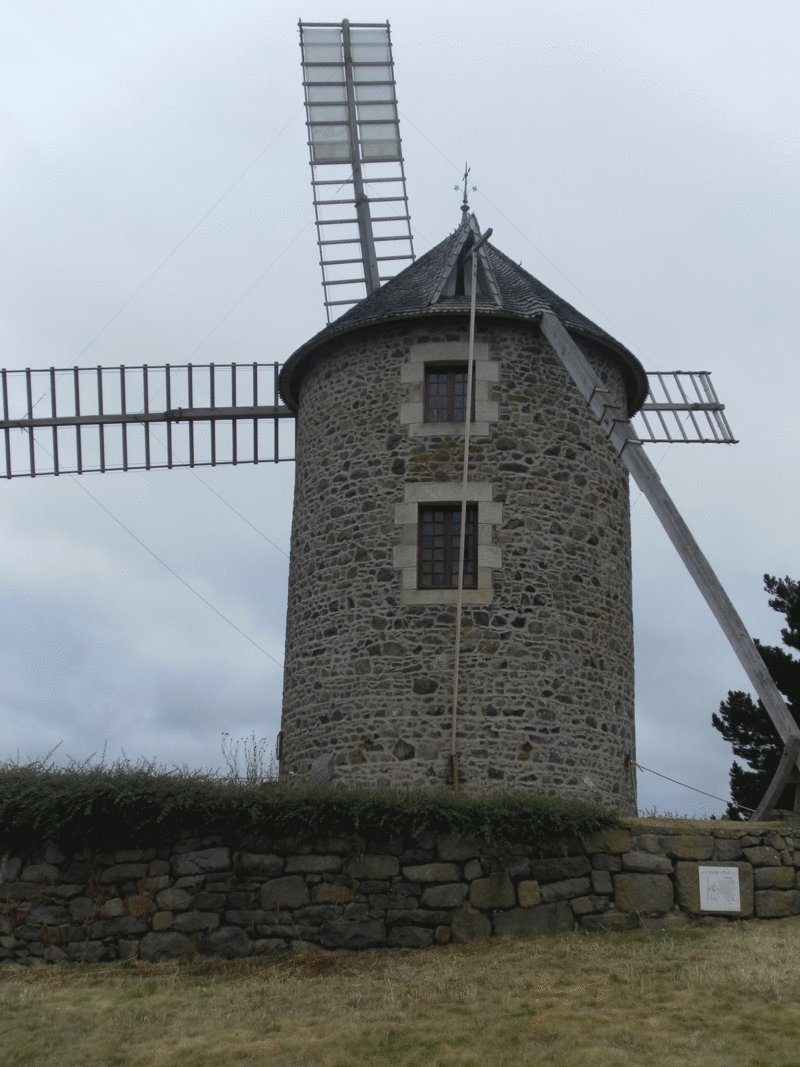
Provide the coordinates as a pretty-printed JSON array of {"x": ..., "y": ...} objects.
[{"x": 729, "y": 995}]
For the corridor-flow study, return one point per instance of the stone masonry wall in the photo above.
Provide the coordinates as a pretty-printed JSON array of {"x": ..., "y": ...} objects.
[
  {"x": 256, "y": 895},
  {"x": 546, "y": 699}
]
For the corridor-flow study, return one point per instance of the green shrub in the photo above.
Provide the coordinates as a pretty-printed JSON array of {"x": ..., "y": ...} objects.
[{"x": 136, "y": 805}]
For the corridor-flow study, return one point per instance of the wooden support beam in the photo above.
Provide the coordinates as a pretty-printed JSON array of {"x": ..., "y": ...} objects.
[
  {"x": 629, "y": 448},
  {"x": 780, "y": 779},
  {"x": 192, "y": 414}
]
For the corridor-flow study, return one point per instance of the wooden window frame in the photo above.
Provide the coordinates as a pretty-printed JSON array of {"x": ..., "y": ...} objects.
[
  {"x": 450, "y": 550},
  {"x": 450, "y": 370}
]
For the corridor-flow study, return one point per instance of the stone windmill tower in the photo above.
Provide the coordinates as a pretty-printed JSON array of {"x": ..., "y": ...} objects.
[
  {"x": 547, "y": 696},
  {"x": 536, "y": 536}
]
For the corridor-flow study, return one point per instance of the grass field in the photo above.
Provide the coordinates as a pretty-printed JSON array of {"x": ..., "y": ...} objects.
[{"x": 727, "y": 995}]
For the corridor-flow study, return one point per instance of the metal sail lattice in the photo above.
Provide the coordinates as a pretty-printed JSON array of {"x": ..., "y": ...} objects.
[
  {"x": 356, "y": 158},
  {"x": 95, "y": 419},
  {"x": 682, "y": 407}
]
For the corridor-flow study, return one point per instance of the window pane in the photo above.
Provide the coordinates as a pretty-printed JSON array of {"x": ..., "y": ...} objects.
[{"x": 439, "y": 547}]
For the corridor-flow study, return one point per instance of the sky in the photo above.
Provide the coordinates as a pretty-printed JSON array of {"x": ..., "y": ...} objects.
[{"x": 640, "y": 158}]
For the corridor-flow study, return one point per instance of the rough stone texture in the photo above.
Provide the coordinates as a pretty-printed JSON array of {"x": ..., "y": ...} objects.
[
  {"x": 40, "y": 872},
  {"x": 468, "y": 924},
  {"x": 9, "y": 868},
  {"x": 776, "y": 903},
  {"x": 455, "y": 849},
  {"x": 289, "y": 892},
  {"x": 546, "y": 919},
  {"x": 353, "y": 935},
  {"x": 558, "y": 869},
  {"x": 189, "y": 921},
  {"x": 174, "y": 899},
  {"x": 601, "y": 862},
  {"x": 693, "y": 847},
  {"x": 87, "y": 951},
  {"x": 764, "y": 856},
  {"x": 572, "y": 887},
  {"x": 601, "y": 882},
  {"x": 588, "y": 905},
  {"x": 410, "y": 937},
  {"x": 372, "y": 867},
  {"x": 122, "y": 927},
  {"x": 124, "y": 872},
  {"x": 263, "y": 865},
  {"x": 646, "y": 863},
  {"x": 432, "y": 872},
  {"x": 313, "y": 864},
  {"x": 43, "y": 913},
  {"x": 331, "y": 894},
  {"x": 687, "y": 885},
  {"x": 611, "y": 840},
  {"x": 201, "y": 862},
  {"x": 547, "y": 666},
  {"x": 446, "y": 896},
  {"x": 773, "y": 878},
  {"x": 228, "y": 944},
  {"x": 496, "y": 891},
  {"x": 113, "y": 909},
  {"x": 157, "y": 947},
  {"x": 529, "y": 894},
  {"x": 727, "y": 849},
  {"x": 644, "y": 894}
]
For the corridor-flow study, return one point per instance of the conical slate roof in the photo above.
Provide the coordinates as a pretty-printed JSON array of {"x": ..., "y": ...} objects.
[{"x": 430, "y": 286}]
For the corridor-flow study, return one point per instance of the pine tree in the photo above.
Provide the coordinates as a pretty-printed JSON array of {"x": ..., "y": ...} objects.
[{"x": 747, "y": 725}]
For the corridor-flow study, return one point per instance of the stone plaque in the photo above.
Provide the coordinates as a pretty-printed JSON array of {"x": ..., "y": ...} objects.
[{"x": 719, "y": 889}]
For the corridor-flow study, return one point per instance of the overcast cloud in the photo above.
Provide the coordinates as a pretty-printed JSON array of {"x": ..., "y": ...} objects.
[{"x": 640, "y": 158}]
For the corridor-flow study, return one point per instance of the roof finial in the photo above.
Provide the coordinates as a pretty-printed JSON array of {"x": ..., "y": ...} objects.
[{"x": 464, "y": 204}]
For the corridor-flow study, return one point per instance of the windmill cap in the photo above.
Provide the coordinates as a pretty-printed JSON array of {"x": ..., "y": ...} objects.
[{"x": 428, "y": 287}]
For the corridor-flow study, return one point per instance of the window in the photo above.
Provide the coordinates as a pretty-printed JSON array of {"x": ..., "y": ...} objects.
[
  {"x": 439, "y": 534},
  {"x": 445, "y": 394}
]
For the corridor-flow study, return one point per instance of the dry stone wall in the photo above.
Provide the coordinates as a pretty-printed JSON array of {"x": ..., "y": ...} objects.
[
  {"x": 546, "y": 698},
  {"x": 260, "y": 895}
]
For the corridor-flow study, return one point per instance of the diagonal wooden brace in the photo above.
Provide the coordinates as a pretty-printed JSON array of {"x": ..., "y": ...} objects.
[
  {"x": 781, "y": 777},
  {"x": 620, "y": 433}
]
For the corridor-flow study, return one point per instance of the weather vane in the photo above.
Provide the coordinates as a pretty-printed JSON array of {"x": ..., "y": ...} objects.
[{"x": 464, "y": 204}]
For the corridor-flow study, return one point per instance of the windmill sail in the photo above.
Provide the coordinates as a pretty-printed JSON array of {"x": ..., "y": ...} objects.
[
  {"x": 85, "y": 420},
  {"x": 357, "y": 176}
]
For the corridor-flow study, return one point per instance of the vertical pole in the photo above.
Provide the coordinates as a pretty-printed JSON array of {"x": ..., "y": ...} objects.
[
  {"x": 146, "y": 389},
  {"x": 124, "y": 426},
  {"x": 53, "y": 411},
  {"x": 463, "y": 530},
  {"x": 30, "y": 416},
  {"x": 191, "y": 421},
  {"x": 368, "y": 255},
  {"x": 255, "y": 405},
  {"x": 76, "y": 376},
  {"x": 7, "y": 431},
  {"x": 234, "y": 421},
  {"x": 275, "y": 397},
  {"x": 169, "y": 424},
  {"x": 213, "y": 426},
  {"x": 100, "y": 425}
]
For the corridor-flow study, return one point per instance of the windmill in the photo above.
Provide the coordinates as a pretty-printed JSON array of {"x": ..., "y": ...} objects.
[{"x": 80, "y": 407}]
